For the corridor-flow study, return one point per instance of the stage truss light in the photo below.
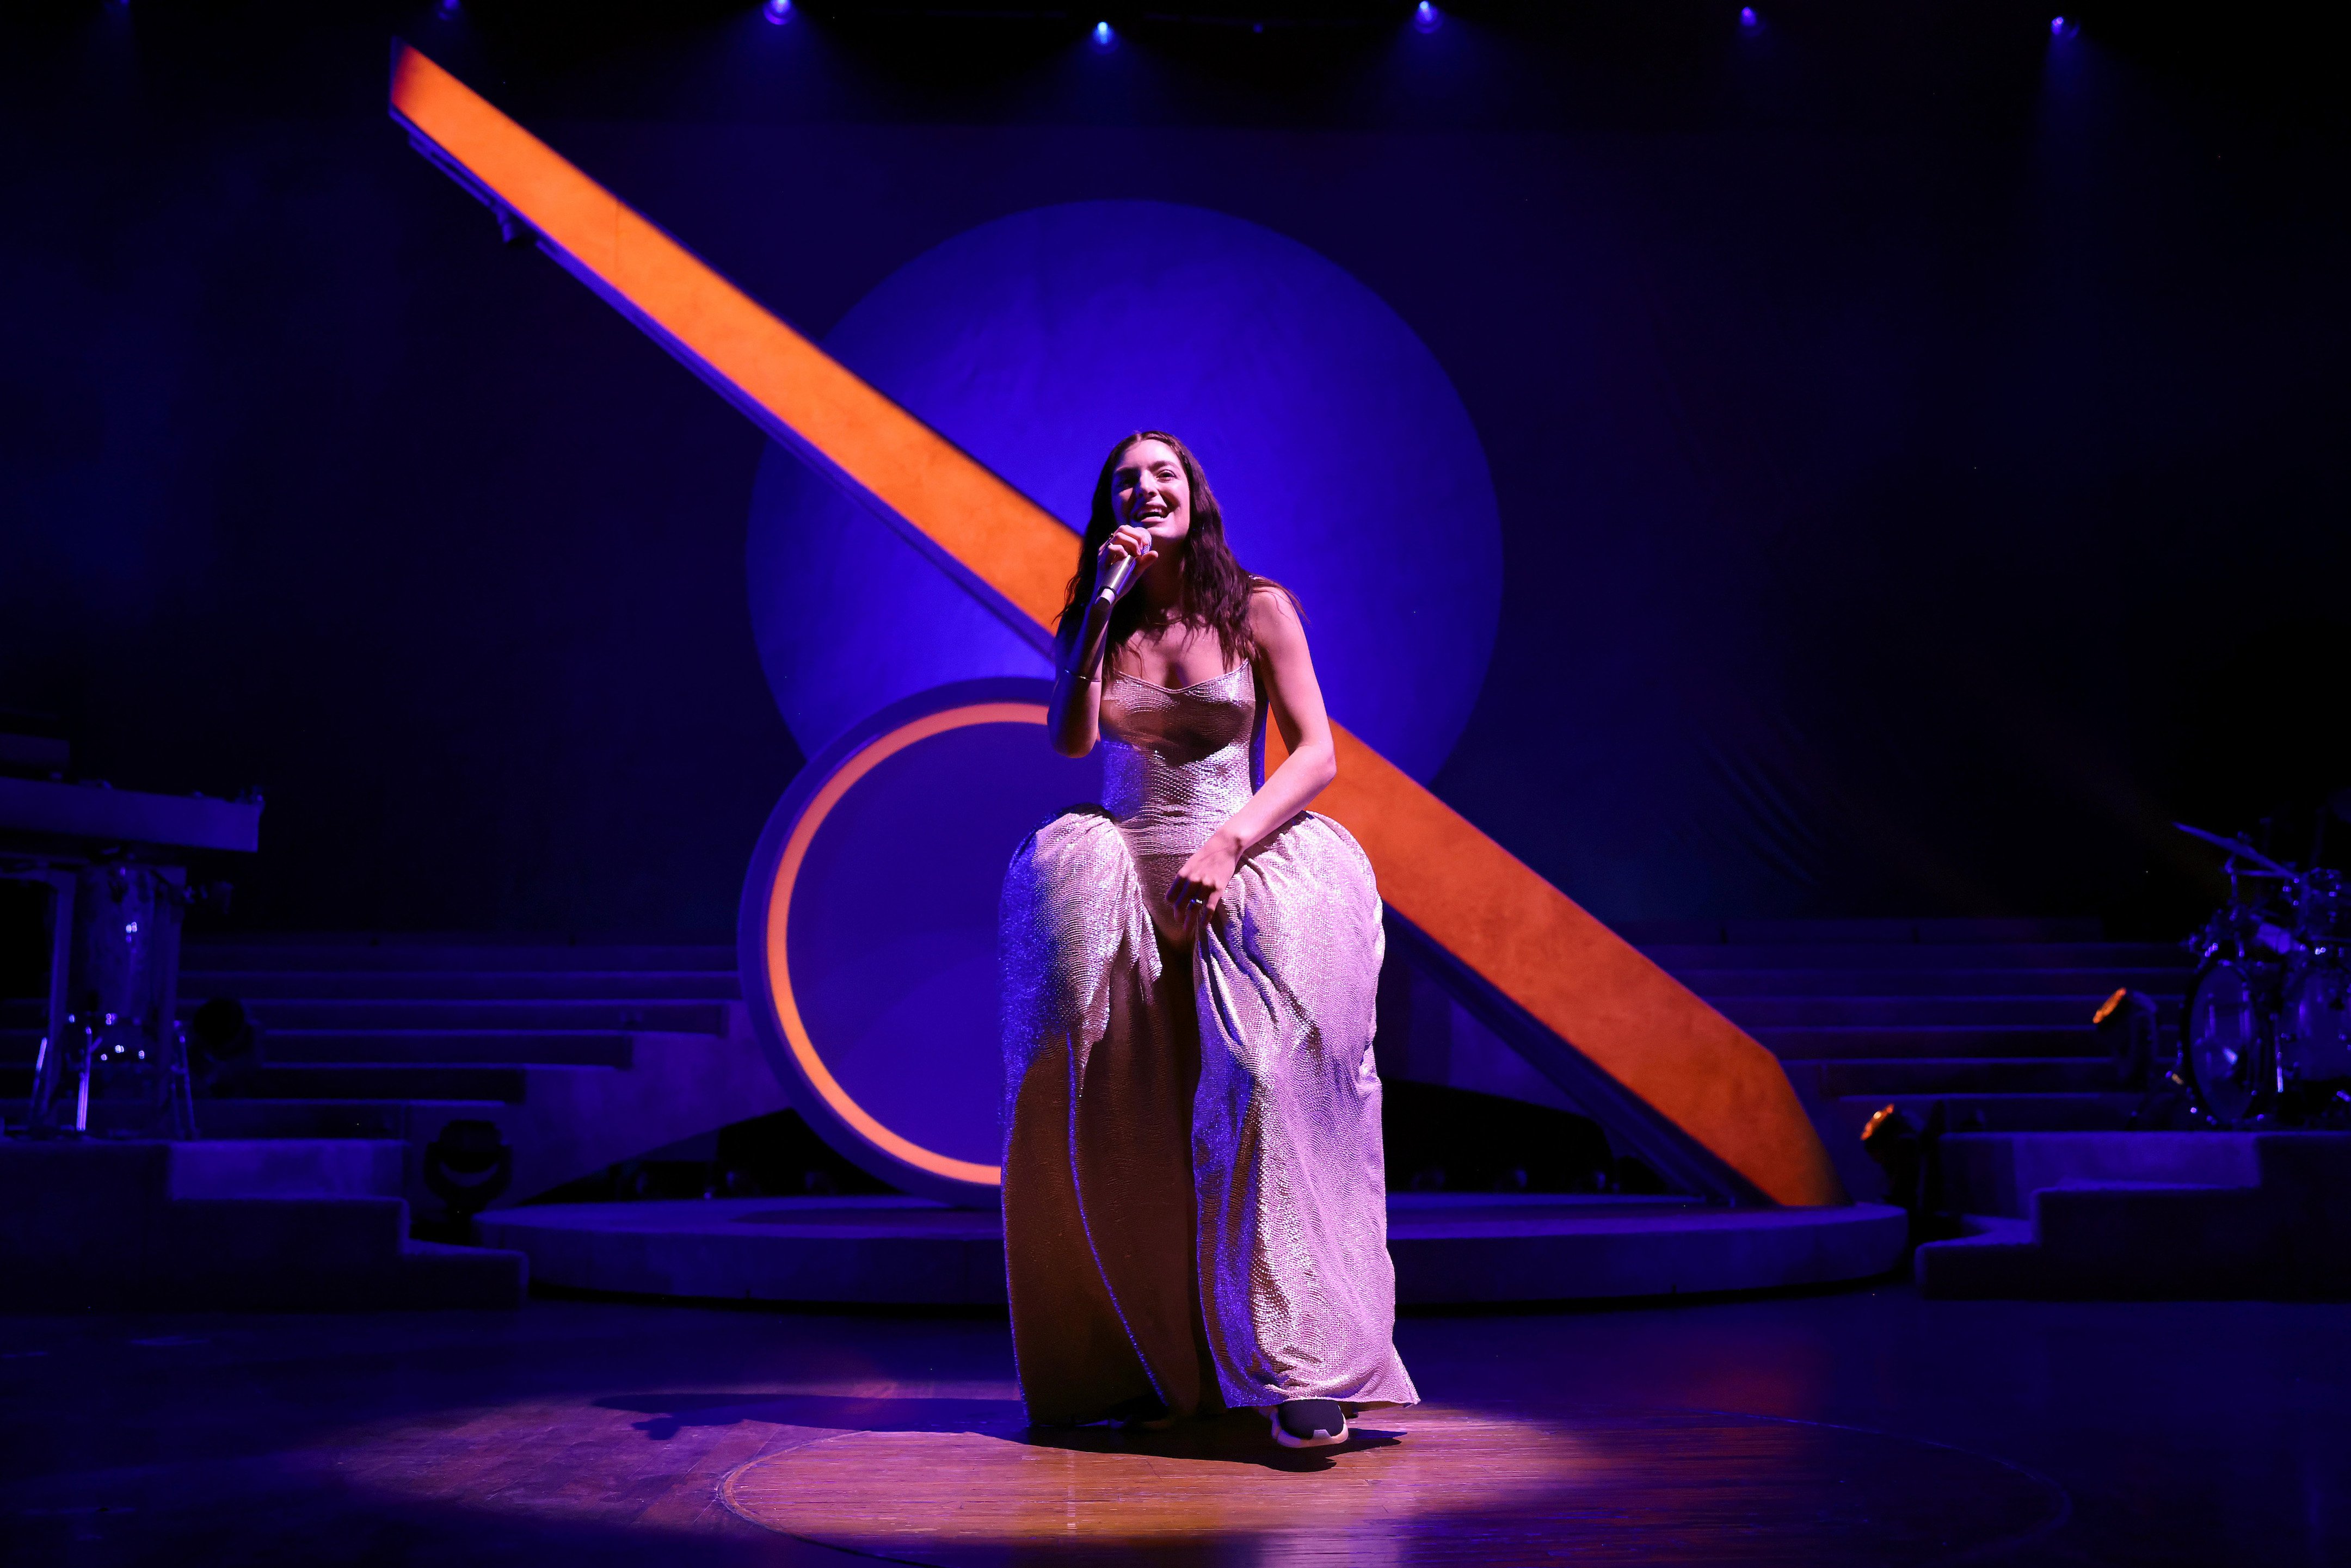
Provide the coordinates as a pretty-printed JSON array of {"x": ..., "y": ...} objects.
[
  {"x": 1748, "y": 19},
  {"x": 1428, "y": 17},
  {"x": 1103, "y": 38},
  {"x": 777, "y": 12}
]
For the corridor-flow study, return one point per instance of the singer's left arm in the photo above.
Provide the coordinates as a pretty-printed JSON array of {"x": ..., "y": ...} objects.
[{"x": 1296, "y": 699}]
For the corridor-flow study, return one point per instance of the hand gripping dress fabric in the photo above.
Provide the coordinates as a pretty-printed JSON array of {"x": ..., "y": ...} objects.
[{"x": 1195, "y": 1200}]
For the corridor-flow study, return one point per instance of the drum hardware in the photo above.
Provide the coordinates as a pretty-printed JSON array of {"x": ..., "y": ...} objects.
[
  {"x": 2265, "y": 1037},
  {"x": 2170, "y": 1104}
]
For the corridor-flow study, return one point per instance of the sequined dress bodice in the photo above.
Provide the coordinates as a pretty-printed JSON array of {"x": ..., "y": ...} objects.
[{"x": 1175, "y": 761}]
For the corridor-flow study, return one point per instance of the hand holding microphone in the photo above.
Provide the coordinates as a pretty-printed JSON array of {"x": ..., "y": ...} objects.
[{"x": 1125, "y": 554}]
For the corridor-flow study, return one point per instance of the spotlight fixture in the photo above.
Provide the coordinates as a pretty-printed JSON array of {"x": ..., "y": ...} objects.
[
  {"x": 2124, "y": 1022},
  {"x": 1105, "y": 39},
  {"x": 1892, "y": 1140},
  {"x": 467, "y": 1167},
  {"x": 777, "y": 12},
  {"x": 1748, "y": 19},
  {"x": 448, "y": 7},
  {"x": 1428, "y": 17}
]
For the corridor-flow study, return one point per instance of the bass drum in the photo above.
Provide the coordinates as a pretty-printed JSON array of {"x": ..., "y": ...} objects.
[
  {"x": 2223, "y": 1039},
  {"x": 2315, "y": 1026}
]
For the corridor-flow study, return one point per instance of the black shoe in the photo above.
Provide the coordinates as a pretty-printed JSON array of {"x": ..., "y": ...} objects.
[{"x": 1309, "y": 1423}]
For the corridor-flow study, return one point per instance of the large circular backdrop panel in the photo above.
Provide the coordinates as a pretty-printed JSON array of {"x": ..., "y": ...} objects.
[
  {"x": 868, "y": 927},
  {"x": 1345, "y": 462}
]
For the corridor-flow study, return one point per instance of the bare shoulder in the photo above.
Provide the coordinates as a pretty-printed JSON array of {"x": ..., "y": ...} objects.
[{"x": 1273, "y": 618}]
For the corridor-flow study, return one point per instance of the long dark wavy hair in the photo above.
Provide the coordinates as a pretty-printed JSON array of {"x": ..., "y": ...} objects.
[{"x": 1216, "y": 591}]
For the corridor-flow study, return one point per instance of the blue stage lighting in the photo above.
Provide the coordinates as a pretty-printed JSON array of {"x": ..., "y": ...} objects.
[
  {"x": 1749, "y": 19},
  {"x": 1426, "y": 17},
  {"x": 1104, "y": 38},
  {"x": 778, "y": 12},
  {"x": 2057, "y": 25}
]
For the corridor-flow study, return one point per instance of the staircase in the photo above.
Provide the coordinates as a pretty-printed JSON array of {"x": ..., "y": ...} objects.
[
  {"x": 587, "y": 1056},
  {"x": 1969, "y": 1025},
  {"x": 2145, "y": 1216},
  {"x": 1981, "y": 1031},
  {"x": 98, "y": 1224},
  {"x": 581, "y": 1055}
]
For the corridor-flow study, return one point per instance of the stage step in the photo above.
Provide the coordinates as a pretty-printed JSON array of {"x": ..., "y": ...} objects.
[
  {"x": 1997, "y": 1173},
  {"x": 444, "y": 1015},
  {"x": 296, "y": 1119},
  {"x": 1878, "y": 932},
  {"x": 460, "y": 985},
  {"x": 100, "y": 1225},
  {"x": 2084, "y": 1112},
  {"x": 1726, "y": 986},
  {"x": 1449, "y": 1249},
  {"x": 437, "y": 1047},
  {"x": 2147, "y": 1216},
  {"x": 2067, "y": 1015},
  {"x": 1895, "y": 1077},
  {"x": 281, "y": 1168},
  {"x": 1694, "y": 960},
  {"x": 581, "y": 1055},
  {"x": 386, "y": 1081},
  {"x": 411, "y": 1047},
  {"x": 482, "y": 954},
  {"x": 1926, "y": 1041}
]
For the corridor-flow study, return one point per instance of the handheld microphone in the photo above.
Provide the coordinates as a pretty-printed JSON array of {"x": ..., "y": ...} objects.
[
  {"x": 1106, "y": 592},
  {"x": 1112, "y": 586}
]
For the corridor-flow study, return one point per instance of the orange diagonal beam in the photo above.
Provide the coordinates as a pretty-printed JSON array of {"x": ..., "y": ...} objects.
[{"x": 1520, "y": 935}]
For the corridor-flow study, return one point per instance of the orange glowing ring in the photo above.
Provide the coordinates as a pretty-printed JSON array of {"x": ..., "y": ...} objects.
[{"x": 764, "y": 939}]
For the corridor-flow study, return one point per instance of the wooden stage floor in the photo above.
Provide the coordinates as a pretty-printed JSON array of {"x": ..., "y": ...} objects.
[{"x": 1864, "y": 1426}]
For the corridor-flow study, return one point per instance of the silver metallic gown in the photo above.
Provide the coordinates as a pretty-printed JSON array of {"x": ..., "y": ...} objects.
[{"x": 1194, "y": 1203}]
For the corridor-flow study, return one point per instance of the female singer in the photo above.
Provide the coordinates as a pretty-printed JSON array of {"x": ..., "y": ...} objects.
[{"x": 1194, "y": 1204}]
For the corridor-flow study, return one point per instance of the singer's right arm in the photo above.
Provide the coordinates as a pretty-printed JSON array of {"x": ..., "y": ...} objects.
[
  {"x": 1075, "y": 717},
  {"x": 1075, "y": 720}
]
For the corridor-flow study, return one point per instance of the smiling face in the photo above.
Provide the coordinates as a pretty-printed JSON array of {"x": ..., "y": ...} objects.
[{"x": 1149, "y": 490}]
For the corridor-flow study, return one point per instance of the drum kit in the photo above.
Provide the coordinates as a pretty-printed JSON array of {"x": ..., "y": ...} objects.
[{"x": 2266, "y": 1038}]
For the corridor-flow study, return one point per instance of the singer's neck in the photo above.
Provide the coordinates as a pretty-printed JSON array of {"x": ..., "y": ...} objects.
[{"x": 1161, "y": 586}]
